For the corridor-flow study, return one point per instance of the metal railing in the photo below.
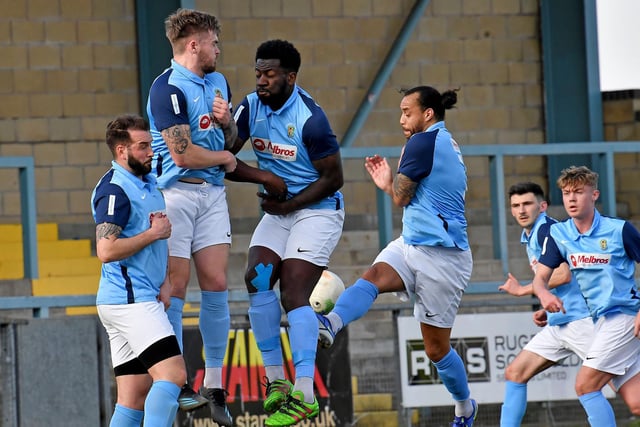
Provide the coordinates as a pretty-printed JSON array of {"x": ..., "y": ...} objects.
[
  {"x": 495, "y": 153},
  {"x": 27, "y": 183}
]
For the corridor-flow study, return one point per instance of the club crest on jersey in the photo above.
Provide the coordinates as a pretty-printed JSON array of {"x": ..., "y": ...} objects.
[
  {"x": 603, "y": 244},
  {"x": 285, "y": 152},
  {"x": 291, "y": 130},
  {"x": 584, "y": 260}
]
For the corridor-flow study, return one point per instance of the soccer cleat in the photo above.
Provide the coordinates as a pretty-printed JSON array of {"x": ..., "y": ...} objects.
[
  {"x": 218, "y": 405},
  {"x": 294, "y": 410},
  {"x": 277, "y": 393},
  {"x": 188, "y": 400},
  {"x": 326, "y": 336},
  {"x": 466, "y": 421}
]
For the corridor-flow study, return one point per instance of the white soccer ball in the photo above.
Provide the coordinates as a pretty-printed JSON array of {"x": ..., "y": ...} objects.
[{"x": 326, "y": 292}]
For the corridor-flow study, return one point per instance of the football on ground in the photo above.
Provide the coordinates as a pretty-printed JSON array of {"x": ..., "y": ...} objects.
[{"x": 326, "y": 292}]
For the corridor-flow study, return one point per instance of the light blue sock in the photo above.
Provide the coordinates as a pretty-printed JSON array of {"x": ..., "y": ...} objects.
[
  {"x": 161, "y": 404},
  {"x": 264, "y": 315},
  {"x": 214, "y": 326},
  {"x": 515, "y": 404},
  {"x": 454, "y": 377},
  {"x": 303, "y": 335},
  {"x": 174, "y": 313},
  {"x": 355, "y": 301},
  {"x": 598, "y": 409},
  {"x": 126, "y": 417}
]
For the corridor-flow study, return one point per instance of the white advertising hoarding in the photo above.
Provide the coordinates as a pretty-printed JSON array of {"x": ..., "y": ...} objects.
[{"x": 487, "y": 343}]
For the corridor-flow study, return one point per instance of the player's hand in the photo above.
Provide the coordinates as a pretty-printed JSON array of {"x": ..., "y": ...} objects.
[
  {"x": 540, "y": 318},
  {"x": 221, "y": 111},
  {"x": 160, "y": 225},
  {"x": 230, "y": 162},
  {"x": 380, "y": 172},
  {"x": 511, "y": 286},
  {"x": 272, "y": 205},
  {"x": 550, "y": 302},
  {"x": 275, "y": 187}
]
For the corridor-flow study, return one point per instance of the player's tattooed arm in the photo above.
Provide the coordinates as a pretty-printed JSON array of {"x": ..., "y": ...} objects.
[
  {"x": 106, "y": 230},
  {"x": 177, "y": 138},
  {"x": 403, "y": 190}
]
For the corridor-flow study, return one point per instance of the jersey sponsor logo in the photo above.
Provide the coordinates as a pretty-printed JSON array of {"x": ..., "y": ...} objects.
[
  {"x": 206, "y": 122},
  {"x": 582, "y": 260},
  {"x": 285, "y": 152}
]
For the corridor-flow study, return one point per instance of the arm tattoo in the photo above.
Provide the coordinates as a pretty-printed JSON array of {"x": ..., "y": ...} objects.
[
  {"x": 403, "y": 187},
  {"x": 177, "y": 138},
  {"x": 230, "y": 134},
  {"x": 106, "y": 230}
]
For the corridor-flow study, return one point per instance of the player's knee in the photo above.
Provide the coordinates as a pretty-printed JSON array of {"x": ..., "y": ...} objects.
[
  {"x": 634, "y": 407},
  {"x": 515, "y": 375}
]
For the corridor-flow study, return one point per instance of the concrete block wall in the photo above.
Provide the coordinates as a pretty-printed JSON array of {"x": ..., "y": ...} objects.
[{"x": 68, "y": 66}]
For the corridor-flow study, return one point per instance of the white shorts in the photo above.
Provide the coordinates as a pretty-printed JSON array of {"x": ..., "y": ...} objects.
[
  {"x": 132, "y": 328},
  {"x": 615, "y": 349},
  {"x": 557, "y": 342},
  {"x": 199, "y": 217},
  {"x": 436, "y": 276},
  {"x": 307, "y": 234}
]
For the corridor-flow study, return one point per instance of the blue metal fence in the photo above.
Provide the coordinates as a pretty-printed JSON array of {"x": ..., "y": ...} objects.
[{"x": 603, "y": 152}]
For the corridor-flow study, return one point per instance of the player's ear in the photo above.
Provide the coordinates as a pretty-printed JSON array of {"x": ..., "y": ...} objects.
[
  {"x": 291, "y": 77},
  {"x": 428, "y": 114}
]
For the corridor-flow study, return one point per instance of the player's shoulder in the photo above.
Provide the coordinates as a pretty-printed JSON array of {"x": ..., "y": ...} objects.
[{"x": 110, "y": 184}]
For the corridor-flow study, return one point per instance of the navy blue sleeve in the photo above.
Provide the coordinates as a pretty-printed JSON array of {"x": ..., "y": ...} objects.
[
  {"x": 543, "y": 230},
  {"x": 631, "y": 241},
  {"x": 550, "y": 256},
  {"x": 168, "y": 104},
  {"x": 112, "y": 205},
  {"x": 241, "y": 117},
  {"x": 417, "y": 159},
  {"x": 317, "y": 134}
]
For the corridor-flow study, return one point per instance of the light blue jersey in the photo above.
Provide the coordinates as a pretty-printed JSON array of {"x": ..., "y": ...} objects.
[
  {"x": 180, "y": 97},
  {"x": 435, "y": 214},
  {"x": 287, "y": 141},
  {"x": 569, "y": 293},
  {"x": 602, "y": 260},
  {"x": 125, "y": 200}
]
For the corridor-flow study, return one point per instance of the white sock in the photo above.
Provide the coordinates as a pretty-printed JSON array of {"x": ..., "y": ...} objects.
[
  {"x": 274, "y": 372},
  {"x": 336, "y": 321},
  {"x": 212, "y": 378},
  {"x": 305, "y": 385}
]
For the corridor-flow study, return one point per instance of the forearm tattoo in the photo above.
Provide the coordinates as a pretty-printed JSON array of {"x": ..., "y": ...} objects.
[
  {"x": 177, "y": 138},
  {"x": 403, "y": 187},
  {"x": 230, "y": 134},
  {"x": 106, "y": 230}
]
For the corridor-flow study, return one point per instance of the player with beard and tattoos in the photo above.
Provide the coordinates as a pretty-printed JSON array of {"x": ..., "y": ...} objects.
[{"x": 131, "y": 241}]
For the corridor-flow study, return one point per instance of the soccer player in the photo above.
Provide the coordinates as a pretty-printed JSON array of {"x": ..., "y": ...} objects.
[
  {"x": 190, "y": 115},
  {"x": 601, "y": 252},
  {"x": 563, "y": 333},
  {"x": 131, "y": 241},
  {"x": 432, "y": 260},
  {"x": 292, "y": 138}
]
